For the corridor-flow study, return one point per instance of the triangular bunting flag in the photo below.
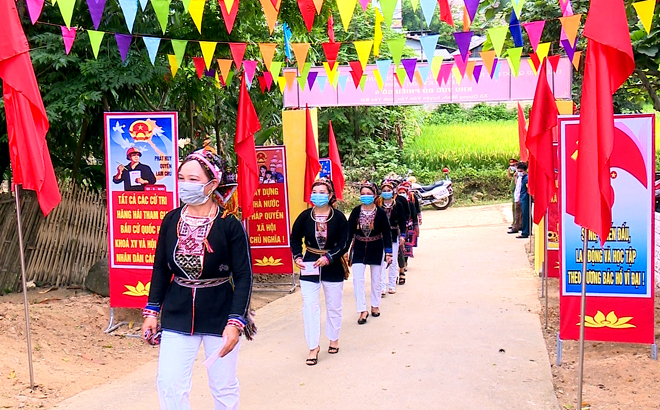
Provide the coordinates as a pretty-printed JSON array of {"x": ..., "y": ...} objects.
[
  {"x": 267, "y": 53},
  {"x": 534, "y": 62},
  {"x": 542, "y": 51},
  {"x": 271, "y": 12},
  {"x": 330, "y": 72},
  {"x": 95, "y": 38},
  {"x": 152, "y": 44},
  {"x": 186, "y": 7},
  {"x": 179, "y": 47},
  {"x": 496, "y": 69},
  {"x": 208, "y": 49},
  {"x": 237, "y": 53},
  {"x": 428, "y": 9},
  {"x": 331, "y": 28},
  {"x": 469, "y": 69},
  {"x": 281, "y": 81},
  {"x": 343, "y": 79},
  {"x": 308, "y": 11},
  {"x": 534, "y": 31},
  {"x": 576, "y": 60},
  {"x": 571, "y": 24},
  {"x": 477, "y": 73},
  {"x": 497, "y": 36},
  {"x": 319, "y": 5},
  {"x": 95, "y": 7},
  {"x": 445, "y": 12},
  {"x": 383, "y": 68},
  {"x": 321, "y": 81},
  {"x": 379, "y": 80},
  {"x": 566, "y": 7},
  {"x": 229, "y": 15},
  {"x": 199, "y": 64},
  {"x": 428, "y": 45},
  {"x": 356, "y": 72},
  {"x": 645, "y": 10},
  {"x": 515, "y": 30},
  {"x": 268, "y": 77},
  {"x": 378, "y": 32},
  {"x": 436, "y": 65},
  {"x": 128, "y": 8},
  {"x": 67, "y": 6},
  {"x": 162, "y": 10},
  {"x": 331, "y": 51},
  {"x": 363, "y": 82},
  {"x": 225, "y": 67},
  {"x": 554, "y": 62},
  {"x": 302, "y": 78},
  {"x": 409, "y": 65},
  {"x": 444, "y": 74},
  {"x": 488, "y": 58},
  {"x": 363, "y": 49},
  {"x": 388, "y": 7},
  {"x": 229, "y": 4},
  {"x": 396, "y": 49},
  {"x": 275, "y": 67},
  {"x": 364, "y": 4},
  {"x": 143, "y": 4},
  {"x": 36, "y": 6},
  {"x": 463, "y": 42},
  {"x": 518, "y": 6},
  {"x": 471, "y": 6},
  {"x": 424, "y": 71},
  {"x": 250, "y": 66},
  {"x": 218, "y": 82},
  {"x": 346, "y": 10},
  {"x": 230, "y": 76},
  {"x": 460, "y": 64},
  {"x": 311, "y": 77},
  {"x": 513, "y": 55},
  {"x": 68, "y": 35},
  {"x": 457, "y": 75},
  {"x": 196, "y": 11},
  {"x": 290, "y": 76},
  {"x": 570, "y": 51},
  {"x": 418, "y": 79},
  {"x": 174, "y": 66},
  {"x": 400, "y": 76},
  {"x": 300, "y": 50},
  {"x": 123, "y": 43},
  {"x": 262, "y": 84},
  {"x": 466, "y": 20},
  {"x": 414, "y": 4}
]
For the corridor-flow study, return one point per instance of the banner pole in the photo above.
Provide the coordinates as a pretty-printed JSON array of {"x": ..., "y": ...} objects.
[
  {"x": 24, "y": 283},
  {"x": 583, "y": 308},
  {"x": 545, "y": 266}
]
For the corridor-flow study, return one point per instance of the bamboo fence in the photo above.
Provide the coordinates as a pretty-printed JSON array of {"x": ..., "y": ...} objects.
[{"x": 60, "y": 248}]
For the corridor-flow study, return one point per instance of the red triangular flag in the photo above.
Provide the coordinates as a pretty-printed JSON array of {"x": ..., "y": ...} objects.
[
  {"x": 262, "y": 84},
  {"x": 308, "y": 11},
  {"x": 247, "y": 123},
  {"x": 312, "y": 164},
  {"x": 200, "y": 66},
  {"x": 335, "y": 161},
  {"x": 535, "y": 60},
  {"x": 609, "y": 62},
  {"x": 27, "y": 123},
  {"x": 445, "y": 12},
  {"x": 356, "y": 72},
  {"x": 237, "y": 53},
  {"x": 331, "y": 28},
  {"x": 539, "y": 142},
  {"x": 331, "y": 51},
  {"x": 229, "y": 16},
  {"x": 554, "y": 62},
  {"x": 522, "y": 133}
]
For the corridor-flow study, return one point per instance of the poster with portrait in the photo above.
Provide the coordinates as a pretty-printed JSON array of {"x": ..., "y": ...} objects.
[
  {"x": 619, "y": 277},
  {"x": 326, "y": 168},
  {"x": 268, "y": 227},
  {"x": 141, "y": 162}
]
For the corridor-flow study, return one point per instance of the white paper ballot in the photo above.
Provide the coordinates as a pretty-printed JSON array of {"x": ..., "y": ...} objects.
[
  {"x": 133, "y": 176},
  {"x": 214, "y": 356},
  {"x": 310, "y": 269}
]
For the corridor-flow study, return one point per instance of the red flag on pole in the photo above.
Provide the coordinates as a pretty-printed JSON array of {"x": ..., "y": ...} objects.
[
  {"x": 312, "y": 165},
  {"x": 27, "y": 123},
  {"x": 542, "y": 121},
  {"x": 609, "y": 62},
  {"x": 522, "y": 134},
  {"x": 335, "y": 160},
  {"x": 247, "y": 123}
]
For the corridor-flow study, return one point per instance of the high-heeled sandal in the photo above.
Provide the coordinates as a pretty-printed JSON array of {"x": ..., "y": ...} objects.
[
  {"x": 315, "y": 360},
  {"x": 333, "y": 350},
  {"x": 402, "y": 279},
  {"x": 363, "y": 320}
]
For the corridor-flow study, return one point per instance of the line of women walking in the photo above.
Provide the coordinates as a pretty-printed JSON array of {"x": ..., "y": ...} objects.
[{"x": 324, "y": 244}]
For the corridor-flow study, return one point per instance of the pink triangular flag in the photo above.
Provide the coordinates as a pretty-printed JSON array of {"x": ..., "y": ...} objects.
[
  {"x": 534, "y": 30},
  {"x": 444, "y": 74},
  {"x": 364, "y": 4},
  {"x": 34, "y": 8},
  {"x": 268, "y": 77},
  {"x": 460, "y": 64},
  {"x": 68, "y": 35},
  {"x": 250, "y": 67}
]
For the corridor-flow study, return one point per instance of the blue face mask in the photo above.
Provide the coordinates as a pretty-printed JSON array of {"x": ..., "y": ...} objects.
[
  {"x": 367, "y": 199},
  {"x": 192, "y": 193},
  {"x": 387, "y": 195},
  {"x": 319, "y": 199}
]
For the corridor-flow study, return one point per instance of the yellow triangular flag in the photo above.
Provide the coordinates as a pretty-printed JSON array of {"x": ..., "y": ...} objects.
[
  {"x": 379, "y": 79},
  {"x": 267, "y": 53},
  {"x": 645, "y": 11},
  {"x": 174, "y": 65},
  {"x": 281, "y": 81},
  {"x": 332, "y": 74},
  {"x": 196, "y": 11},
  {"x": 300, "y": 51},
  {"x": 378, "y": 34},
  {"x": 436, "y": 65},
  {"x": 542, "y": 51},
  {"x": 457, "y": 75},
  {"x": 363, "y": 49},
  {"x": 229, "y": 4},
  {"x": 346, "y": 10},
  {"x": 217, "y": 81},
  {"x": 208, "y": 49}
]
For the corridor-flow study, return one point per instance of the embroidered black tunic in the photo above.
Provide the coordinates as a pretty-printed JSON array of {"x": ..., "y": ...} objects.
[
  {"x": 335, "y": 244},
  {"x": 208, "y": 312},
  {"x": 405, "y": 206},
  {"x": 368, "y": 248},
  {"x": 397, "y": 220}
]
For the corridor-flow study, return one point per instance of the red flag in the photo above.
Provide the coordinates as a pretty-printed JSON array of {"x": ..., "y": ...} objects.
[
  {"x": 27, "y": 123},
  {"x": 522, "y": 133},
  {"x": 247, "y": 123},
  {"x": 312, "y": 165},
  {"x": 445, "y": 12},
  {"x": 609, "y": 62},
  {"x": 335, "y": 160},
  {"x": 542, "y": 121},
  {"x": 331, "y": 28}
]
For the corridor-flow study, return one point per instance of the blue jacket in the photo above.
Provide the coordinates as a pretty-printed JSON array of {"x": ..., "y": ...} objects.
[{"x": 524, "y": 195}]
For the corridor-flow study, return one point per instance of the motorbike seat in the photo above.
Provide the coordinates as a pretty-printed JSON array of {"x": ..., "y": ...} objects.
[{"x": 432, "y": 186}]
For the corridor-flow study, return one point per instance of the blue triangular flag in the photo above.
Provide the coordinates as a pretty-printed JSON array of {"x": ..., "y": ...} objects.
[
  {"x": 152, "y": 44},
  {"x": 428, "y": 8},
  {"x": 143, "y": 4},
  {"x": 424, "y": 71},
  {"x": 247, "y": 80},
  {"x": 428, "y": 45},
  {"x": 497, "y": 70},
  {"x": 516, "y": 30},
  {"x": 129, "y": 8},
  {"x": 384, "y": 68},
  {"x": 343, "y": 79},
  {"x": 321, "y": 81}
]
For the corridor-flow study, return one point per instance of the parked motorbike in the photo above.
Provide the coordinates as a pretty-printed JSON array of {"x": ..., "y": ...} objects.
[{"x": 439, "y": 195}]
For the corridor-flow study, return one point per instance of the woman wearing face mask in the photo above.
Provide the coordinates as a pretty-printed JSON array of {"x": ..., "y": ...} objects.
[
  {"x": 200, "y": 286},
  {"x": 369, "y": 229},
  {"x": 397, "y": 218},
  {"x": 324, "y": 231},
  {"x": 402, "y": 201}
]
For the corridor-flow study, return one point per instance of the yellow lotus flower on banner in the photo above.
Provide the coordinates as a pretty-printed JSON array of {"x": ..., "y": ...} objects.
[
  {"x": 138, "y": 290},
  {"x": 611, "y": 321},
  {"x": 268, "y": 261}
]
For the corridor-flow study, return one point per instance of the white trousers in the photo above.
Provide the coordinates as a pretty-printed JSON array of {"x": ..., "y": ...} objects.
[
  {"x": 359, "y": 285},
  {"x": 312, "y": 310},
  {"x": 175, "y": 363},
  {"x": 390, "y": 275}
]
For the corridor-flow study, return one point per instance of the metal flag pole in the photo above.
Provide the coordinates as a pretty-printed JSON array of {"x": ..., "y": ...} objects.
[
  {"x": 583, "y": 308},
  {"x": 545, "y": 265},
  {"x": 17, "y": 189}
]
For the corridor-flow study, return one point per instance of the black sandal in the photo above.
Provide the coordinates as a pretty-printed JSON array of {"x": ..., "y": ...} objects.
[
  {"x": 314, "y": 361},
  {"x": 402, "y": 279},
  {"x": 333, "y": 350},
  {"x": 363, "y": 320},
  {"x": 375, "y": 314}
]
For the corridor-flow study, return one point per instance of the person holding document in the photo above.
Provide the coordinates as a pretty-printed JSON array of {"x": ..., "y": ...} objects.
[{"x": 324, "y": 231}]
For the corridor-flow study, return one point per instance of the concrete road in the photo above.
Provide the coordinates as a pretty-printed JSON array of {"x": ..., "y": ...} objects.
[{"x": 462, "y": 333}]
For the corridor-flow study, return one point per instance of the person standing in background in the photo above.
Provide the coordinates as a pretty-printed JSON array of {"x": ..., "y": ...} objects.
[{"x": 524, "y": 200}]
